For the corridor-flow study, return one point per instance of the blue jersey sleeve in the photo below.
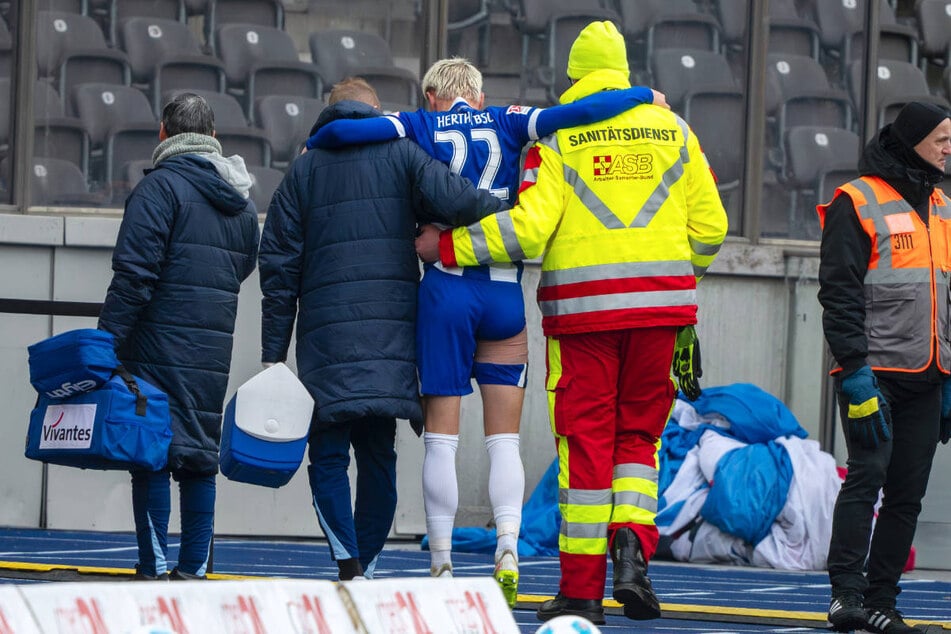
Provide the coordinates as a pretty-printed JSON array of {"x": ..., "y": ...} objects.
[
  {"x": 596, "y": 107},
  {"x": 344, "y": 132}
]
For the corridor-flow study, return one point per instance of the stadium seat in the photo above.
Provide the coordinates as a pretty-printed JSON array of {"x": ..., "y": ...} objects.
[
  {"x": 265, "y": 180},
  {"x": 650, "y": 25},
  {"x": 67, "y": 6},
  {"x": 798, "y": 92},
  {"x": 538, "y": 20},
  {"x": 842, "y": 32},
  {"x": 71, "y": 49},
  {"x": 718, "y": 117},
  {"x": 676, "y": 72},
  {"x": 122, "y": 10},
  {"x": 897, "y": 84},
  {"x": 287, "y": 121},
  {"x": 105, "y": 110},
  {"x": 344, "y": 53},
  {"x": 812, "y": 149},
  {"x": 790, "y": 32},
  {"x": 55, "y": 181},
  {"x": 262, "y": 60},
  {"x": 126, "y": 143},
  {"x": 54, "y": 133},
  {"x": 6, "y": 49},
  {"x": 934, "y": 27},
  {"x": 268, "y": 13},
  {"x": 127, "y": 177},
  {"x": 165, "y": 55},
  {"x": 832, "y": 176},
  {"x": 733, "y": 16}
]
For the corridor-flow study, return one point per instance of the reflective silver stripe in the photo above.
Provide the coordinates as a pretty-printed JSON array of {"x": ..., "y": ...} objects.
[
  {"x": 943, "y": 210},
  {"x": 633, "y": 498},
  {"x": 479, "y": 247},
  {"x": 875, "y": 212},
  {"x": 634, "y": 470},
  {"x": 591, "y": 201},
  {"x": 662, "y": 192},
  {"x": 585, "y": 497},
  {"x": 532, "y": 123},
  {"x": 509, "y": 240},
  {"x": 530, "y": 175},
  {"x": 702, "y": 248},
  {"x": 699, "y": 271},
  {"x": 585, "y": 530},
  {"x": 898, "y": 276},
  {"x": 617, "y": 301},
  {"x": 600, "y": 272}
]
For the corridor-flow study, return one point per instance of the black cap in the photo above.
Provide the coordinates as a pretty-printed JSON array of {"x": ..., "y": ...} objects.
[{"x": 916, "y": 121}]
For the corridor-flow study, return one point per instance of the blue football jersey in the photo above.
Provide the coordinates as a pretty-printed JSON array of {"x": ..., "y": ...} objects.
[{"x": 482, "y": 145}]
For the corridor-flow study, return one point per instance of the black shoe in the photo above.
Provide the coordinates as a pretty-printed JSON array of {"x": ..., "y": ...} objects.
[
  {"x": 561, "y": 605},
  {"x": 178, "y": 575},
  {"x": 141, "y": 576},
  {"x": 888, "y": 621},
  {"x": 846, "y": 612},
  {"x": 348, "y": 569},
  {"x": 632, "y": 587}
]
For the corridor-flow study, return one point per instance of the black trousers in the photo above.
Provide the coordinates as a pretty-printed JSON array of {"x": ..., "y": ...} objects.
[{"x": 900, "y": 468}]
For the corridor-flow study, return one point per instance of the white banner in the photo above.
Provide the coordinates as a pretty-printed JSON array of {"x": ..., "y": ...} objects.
[
  {"x": 15, "y": 617},
  {"x": 462, "y": 605}
]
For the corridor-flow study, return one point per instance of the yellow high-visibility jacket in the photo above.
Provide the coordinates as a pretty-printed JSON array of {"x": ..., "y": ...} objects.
[{"x": 625, "y": 212}]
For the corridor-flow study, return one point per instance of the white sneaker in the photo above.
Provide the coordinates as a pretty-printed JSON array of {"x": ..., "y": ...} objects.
[{"x": 444, "y": 570}]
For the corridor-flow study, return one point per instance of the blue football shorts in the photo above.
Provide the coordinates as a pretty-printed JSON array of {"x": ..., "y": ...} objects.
[{"x": 453, "y": 313}]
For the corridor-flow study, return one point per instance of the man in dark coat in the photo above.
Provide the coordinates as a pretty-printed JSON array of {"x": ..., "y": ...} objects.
[
  {"x": 188, "y": 238},
  {"x": 337, "y": 255},
  {"x": 883, "y": 284}
]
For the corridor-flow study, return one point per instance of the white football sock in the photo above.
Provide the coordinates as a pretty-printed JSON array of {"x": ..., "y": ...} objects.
[
  {"x": 506, "y": 488},
  {"x": 440, "y": 494}
]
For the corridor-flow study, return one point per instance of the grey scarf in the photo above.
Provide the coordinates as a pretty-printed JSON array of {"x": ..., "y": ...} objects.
[{"x": 185, "y": 143}]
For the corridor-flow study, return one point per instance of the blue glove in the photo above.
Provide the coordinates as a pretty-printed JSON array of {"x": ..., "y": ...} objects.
[
  {"x": 945, "y": 411},
  {"x": 869, "y": 419}
]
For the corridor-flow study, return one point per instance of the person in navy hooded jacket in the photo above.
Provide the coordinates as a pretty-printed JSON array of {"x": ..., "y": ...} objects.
[
  {"x": 338, "y": 257},
  {"x": 188, "y": 238}
]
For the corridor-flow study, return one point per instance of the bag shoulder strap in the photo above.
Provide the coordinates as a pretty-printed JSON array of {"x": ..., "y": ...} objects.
[{"x": 141, "y": 400}]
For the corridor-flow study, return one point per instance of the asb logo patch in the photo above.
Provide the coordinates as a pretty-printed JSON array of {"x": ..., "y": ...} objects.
[
  {"x": 68, "y": 426},
  {"x": 623, "y": 166},
  {"x": 602, "y": 165}
]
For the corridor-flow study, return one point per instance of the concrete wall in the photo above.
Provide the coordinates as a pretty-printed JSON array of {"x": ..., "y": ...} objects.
[{"x": 759, "y": 323}]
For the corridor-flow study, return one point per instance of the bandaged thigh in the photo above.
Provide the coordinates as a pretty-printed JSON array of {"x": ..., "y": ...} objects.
[{"x": 502, "y": 361}]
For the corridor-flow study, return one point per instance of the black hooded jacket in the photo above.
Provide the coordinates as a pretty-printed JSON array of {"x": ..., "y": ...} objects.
[
  {"x": 186, "y": 242},
  {"x": 338, "y": 257},
  {"x": 845, "y": 249}
]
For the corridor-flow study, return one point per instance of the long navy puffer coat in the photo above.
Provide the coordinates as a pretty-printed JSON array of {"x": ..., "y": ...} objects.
[
  {"x": 338, "y": 255},
  {"x": 187, "y": 241}
]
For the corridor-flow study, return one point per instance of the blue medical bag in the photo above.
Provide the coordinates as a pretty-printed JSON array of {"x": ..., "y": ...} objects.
[
  {"x": 72, "y": 362},
  {"x": 124, "y": 424},
  {"x": 265, "y": 428}
]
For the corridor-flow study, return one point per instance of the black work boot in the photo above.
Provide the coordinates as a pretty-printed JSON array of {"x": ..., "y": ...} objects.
[
  {"x": 632, "y": 588},
  {"x": 561, "y": 605}
]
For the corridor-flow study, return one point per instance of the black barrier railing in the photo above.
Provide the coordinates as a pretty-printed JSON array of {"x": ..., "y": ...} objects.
[{"x": 50, "y": 307}]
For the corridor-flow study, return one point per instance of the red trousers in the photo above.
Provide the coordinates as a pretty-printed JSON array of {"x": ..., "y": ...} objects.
[{"x": 610, "y": 395}]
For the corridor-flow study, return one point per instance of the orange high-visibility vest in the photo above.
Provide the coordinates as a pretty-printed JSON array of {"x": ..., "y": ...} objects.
[{"x": 907, "y": 281}]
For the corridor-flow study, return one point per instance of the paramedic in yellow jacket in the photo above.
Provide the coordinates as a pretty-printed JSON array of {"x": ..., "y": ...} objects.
[{"x": 626, "y": 216}]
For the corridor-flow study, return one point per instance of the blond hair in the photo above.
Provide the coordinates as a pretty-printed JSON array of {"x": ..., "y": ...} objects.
[
  {"x": 354, "y": 89},
  {"x": 453, "y": 77}
]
